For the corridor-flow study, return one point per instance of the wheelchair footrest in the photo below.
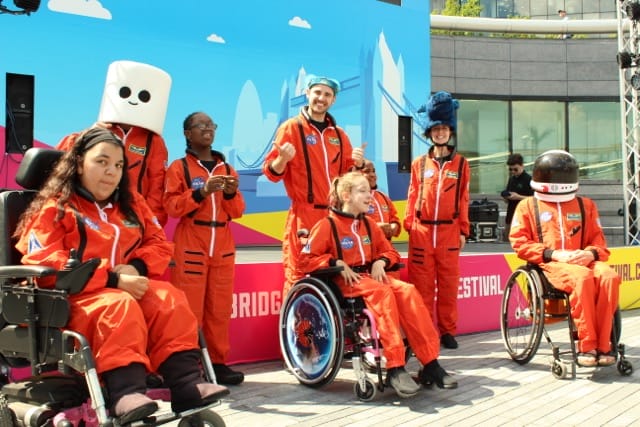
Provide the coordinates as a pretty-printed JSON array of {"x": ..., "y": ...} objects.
[{"x": 55, "y": 391}]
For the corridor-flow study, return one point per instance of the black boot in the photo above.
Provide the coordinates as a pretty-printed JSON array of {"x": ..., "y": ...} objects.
[
  {"x": 226, "y": 375},
  {"x": 127, "y": 388},
  {"x": 181, "y": 372},
  {"x": 432, "y": 373}
]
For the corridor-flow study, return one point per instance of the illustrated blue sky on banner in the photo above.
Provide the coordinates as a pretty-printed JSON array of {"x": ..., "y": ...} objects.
[{"x": 241, "y": 62}]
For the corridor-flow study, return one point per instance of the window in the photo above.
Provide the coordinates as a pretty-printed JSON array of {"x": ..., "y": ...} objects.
[
  {"x": 595, "y": 139},
  {"x": 483, "y": 129},
  {"x": 538, "y": 126}
]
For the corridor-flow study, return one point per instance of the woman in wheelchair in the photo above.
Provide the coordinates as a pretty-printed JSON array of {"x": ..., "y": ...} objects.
[
  {"x": 346, "y": 238},
  {"x": 561, "y": 233},
  {"x": 135, "y": 324}
]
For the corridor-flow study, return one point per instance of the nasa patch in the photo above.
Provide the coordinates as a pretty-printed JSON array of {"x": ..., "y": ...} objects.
[
  {"x": 545, "y": 216},
  {"x": 429, "y": 173},
  {"x": 311, "y": 140},
  {"x": 346, "y": 243},
  {"x": 197, "y": 183}
]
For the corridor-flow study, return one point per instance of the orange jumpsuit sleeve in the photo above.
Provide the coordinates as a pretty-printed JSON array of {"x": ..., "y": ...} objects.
[
  {"x": 320, "y": 250},
  {"x": 524, "y": 234},
  {"x": 154, "y": 250},
  {"x": 594, "y": 236},
  {"x": 157, "y": 159},
  {"x": 178, "y": 198},
  {"x": 287, "y": 132},
  {"x": 463, "y": 204},
  {"x": 413, "y": 194},
  {"x": 234, "y": 206},
  {"x": 67, "y": 142}
]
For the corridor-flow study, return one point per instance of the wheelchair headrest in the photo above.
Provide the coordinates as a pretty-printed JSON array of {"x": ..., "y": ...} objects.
[{"x": 36, "y": 166}]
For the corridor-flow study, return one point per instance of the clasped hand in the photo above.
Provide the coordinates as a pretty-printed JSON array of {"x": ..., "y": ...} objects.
[
  {"x": 579, "y": 257},
  {"x": 352, "y": 278},
  {"x": 129, "y": 280}
]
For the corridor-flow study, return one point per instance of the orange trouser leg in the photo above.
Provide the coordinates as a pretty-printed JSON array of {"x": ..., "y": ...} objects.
[
  {"x": 579, "y": 283},
  {"x": 170, "y": 321},
  {"x": 422, "y": 336},
  {"x": 435, "y": 271},
  {"x": 380, "y": 300},
  {"x": 122, "y": 330},
  {"x": 218, "y": 306},
  {"x": 607, "y": 298}
]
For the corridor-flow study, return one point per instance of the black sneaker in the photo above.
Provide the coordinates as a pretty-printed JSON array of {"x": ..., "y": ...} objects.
[
  {"x": 400, "y": 380},
  {"x": 227, "y": 376},
  {"x": 448, "y": 341},
  {"x": 432, "y": 373}
]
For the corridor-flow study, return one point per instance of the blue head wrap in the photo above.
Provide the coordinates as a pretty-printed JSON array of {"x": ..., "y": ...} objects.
[{"x": 317, "y": 80}]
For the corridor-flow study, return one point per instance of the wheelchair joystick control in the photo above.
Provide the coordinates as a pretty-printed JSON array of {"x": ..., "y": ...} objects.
[{"x": 72, "y": 262}]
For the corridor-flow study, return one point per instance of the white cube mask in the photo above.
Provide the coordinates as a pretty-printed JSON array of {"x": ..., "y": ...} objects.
[{"x": 135, "y": 94}]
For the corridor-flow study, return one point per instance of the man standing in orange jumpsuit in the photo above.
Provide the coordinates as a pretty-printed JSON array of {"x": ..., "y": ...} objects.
[
  {"x": 437, "y": 217},
  {"x": 309, "y": 150},
  {"x": 381, "y": 210},
  {"x": 202, "y": 190},
  {"x": 133, "y": 107},
  {"x": 562, "y": 234}
]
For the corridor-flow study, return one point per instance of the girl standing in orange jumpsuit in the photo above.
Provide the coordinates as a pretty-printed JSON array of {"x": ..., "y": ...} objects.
[
  {"x": 349, "y": 240},
  {"x": 202, "y": 190},
  {"x": 134, "y": 324},
  {"x": 437, "y": 217}
]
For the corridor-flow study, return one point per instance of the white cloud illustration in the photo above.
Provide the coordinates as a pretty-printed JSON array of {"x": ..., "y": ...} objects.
[
  {"x": 90, "y": 8},
  {"x": 296, "y": 21},
  {"x": 214, "y": 38}
]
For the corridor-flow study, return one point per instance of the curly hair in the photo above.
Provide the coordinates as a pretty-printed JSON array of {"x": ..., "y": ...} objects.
[
  {"x": 343, "y": 184},
  {"x": 64, "y": 180}
]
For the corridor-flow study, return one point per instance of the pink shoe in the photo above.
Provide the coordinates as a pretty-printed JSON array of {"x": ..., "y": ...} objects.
[
  {"x": 605, "y": 359},
  {"x": 588, "y": 359},
  {"x": 134, "y": 407}
]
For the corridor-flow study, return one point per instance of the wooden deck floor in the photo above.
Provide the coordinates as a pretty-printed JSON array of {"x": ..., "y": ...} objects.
[{"x": 493, "y": 391}]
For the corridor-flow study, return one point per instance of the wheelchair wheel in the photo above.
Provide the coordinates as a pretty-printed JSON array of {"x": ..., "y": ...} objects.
[
  {"x": 522, "y": 316},
  {"x": 206, "y": 418},
  {"x": 368, "y": 393},
  {"x": 7, "y": 418},
  {"x": 311, "y": 332}
]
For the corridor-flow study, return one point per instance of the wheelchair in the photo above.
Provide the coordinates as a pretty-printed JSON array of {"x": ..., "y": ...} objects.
[
  {"x": 319, "y": 328},
  {"x": 529, "y": 304},
  {"x": 48, "y": 375}
]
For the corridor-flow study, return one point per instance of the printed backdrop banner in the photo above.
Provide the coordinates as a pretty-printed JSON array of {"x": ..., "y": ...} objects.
[{"x": 257, "y": 298}]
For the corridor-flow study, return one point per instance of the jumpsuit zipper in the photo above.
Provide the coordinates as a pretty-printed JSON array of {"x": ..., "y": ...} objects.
[
  {"x": 324, "y": 154},
  {"x": 214, "y": 213},
  {"x": 561, "y": 225},
  {"x": 435, "y": 226},
  {"x": 105, "y": 219},
  {"x": 354, "y": 230}
]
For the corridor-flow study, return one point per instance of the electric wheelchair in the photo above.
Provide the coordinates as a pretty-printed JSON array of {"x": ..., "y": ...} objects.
[
  {"x": 48, "y": 374},
  {"x": 319, "y": 328},
  {"x": 529, "y": 304}
]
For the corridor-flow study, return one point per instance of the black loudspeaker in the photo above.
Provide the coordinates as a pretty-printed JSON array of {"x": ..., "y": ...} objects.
[
  {"x": 19, "y": 113},
  {"x": 405, "y": 125}
]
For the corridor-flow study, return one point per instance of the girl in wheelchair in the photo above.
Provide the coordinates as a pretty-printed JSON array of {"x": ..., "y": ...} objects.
[
  {"x": 133, "y": 323},
  {"x": 347, "y": 239}
]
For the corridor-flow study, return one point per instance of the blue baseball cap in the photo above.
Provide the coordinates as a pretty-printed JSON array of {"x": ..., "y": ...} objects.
[{"x": 317, "y": 80}]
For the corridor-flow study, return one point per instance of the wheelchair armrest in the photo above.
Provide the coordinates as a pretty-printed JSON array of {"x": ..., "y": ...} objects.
[
  {"x": 74, "y": 280},
  {"x": 324, "y": 272},
  {"x": 24, "y": 271},
  {"x": 395, "y": 267}
]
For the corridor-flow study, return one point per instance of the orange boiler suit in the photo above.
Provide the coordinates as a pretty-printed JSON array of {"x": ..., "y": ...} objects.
[
  {"x": 121, "y": 330},
  {"x": 382, "y": 209},
  {"x": 593, "y": 290},
  {"x": 396, "y": 305},
  {"x": 437, "y": 215},
  {"x": 147, "y": 158},
  {"x": 205, "y": 250},
  {"x": 307, "y": 184}
]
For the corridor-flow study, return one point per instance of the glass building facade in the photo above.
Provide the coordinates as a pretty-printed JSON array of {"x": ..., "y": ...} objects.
[
  {"x": 542, "y": 9},
  {"x": 490, "y": 129}
]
